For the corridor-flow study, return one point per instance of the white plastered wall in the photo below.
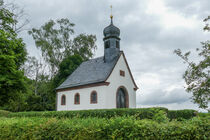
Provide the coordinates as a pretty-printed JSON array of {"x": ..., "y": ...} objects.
[
  {"x": 84, "y": 99},
  {"x": 116, "y": 81}
]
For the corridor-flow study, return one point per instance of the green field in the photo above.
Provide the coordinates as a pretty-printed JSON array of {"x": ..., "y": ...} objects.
[{"x": 145, "y": 123}]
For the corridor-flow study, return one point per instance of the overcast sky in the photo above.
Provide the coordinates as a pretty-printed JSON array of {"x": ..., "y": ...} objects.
[{"x": 150, "y": 31}]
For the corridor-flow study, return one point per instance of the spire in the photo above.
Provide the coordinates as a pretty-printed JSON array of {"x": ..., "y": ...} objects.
[
  {"x": 111, "y": 19},
  {"x": 111, "y": 41},
  {"x": 111, "y": 30},
  {"x": 111, "y": 16}
]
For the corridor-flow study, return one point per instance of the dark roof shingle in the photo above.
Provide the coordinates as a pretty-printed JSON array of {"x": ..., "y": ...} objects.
[{"x": 89, "y": 72}]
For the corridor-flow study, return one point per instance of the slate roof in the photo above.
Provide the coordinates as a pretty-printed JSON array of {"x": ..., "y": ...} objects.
[{"x": 89, "y": 72}]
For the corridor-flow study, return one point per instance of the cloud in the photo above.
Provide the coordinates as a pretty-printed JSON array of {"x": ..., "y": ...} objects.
[
  {"x": 200, "y": 9},
  {"x": 175, "y": 106},
  {"x": 177, "y": 95}
]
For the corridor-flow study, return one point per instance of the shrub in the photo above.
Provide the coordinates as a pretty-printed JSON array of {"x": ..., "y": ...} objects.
[
  {"x": 140, "y": 113},
  {"x": 101, "y": 128},
  {"x": 181, "y": 114},
  {"x": 160, "y": 116},
  {"x": 4, "y": 113},
  {"x": 204, "y": 115}
]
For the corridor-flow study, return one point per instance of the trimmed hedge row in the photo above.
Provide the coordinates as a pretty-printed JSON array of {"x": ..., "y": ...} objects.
[
  {"x": 35, "y": 128},
  {"x": 181, "y": 114},
  {"x": 4, "y": 113},
  {"x": 139, "y": 113}
]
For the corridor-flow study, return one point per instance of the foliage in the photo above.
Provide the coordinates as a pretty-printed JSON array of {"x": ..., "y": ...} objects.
[
  {"x": 197, "y": 75},
  {"x": 160, "y": 116},
  {"x": 4, "y": 113},
  {"x": 41, "y": 94},
  {"x": 66, "y": 68},
  {"x": 12, "y": 56},
  {"x": 101, "y": 128},
  {"x": 157, "y": 114},
  {"x": 204, "y": 115},
  {"x": 46, "y": 91},
  {"x": 34, "y": 102},
  {"x": 181, "y": 114},
  {"x": 42, "y": 99},
  {"x": 12, "y": 17},
  {"x": 83, "y": 45},
  {"x": 54, "y": 39},
  {"x": 34, "y": 68},
  {"x": 141, "y": 113},
  {"x": 7, "y": 20}
]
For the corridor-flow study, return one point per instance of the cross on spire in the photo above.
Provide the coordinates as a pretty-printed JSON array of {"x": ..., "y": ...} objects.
[
  {"x": 111, "y": 12},
  {"x": 111, "y": 16}
]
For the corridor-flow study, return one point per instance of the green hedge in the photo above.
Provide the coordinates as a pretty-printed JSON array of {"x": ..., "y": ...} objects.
[
  {"x": 181, "y": 114},
  {"x": 4, "y": 113},
  {"x": 140, "y": 113},
  {"x": 101, "y": 128},
  {"x": 204, "y": 115}
]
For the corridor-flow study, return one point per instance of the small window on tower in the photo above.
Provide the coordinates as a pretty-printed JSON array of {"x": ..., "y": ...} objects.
[
  {"x": 117, "y": 44},
  {"x": 107, "y": 44}
]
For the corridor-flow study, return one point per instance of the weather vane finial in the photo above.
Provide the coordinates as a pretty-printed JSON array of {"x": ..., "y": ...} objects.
[{"x": 111, "y": 16}]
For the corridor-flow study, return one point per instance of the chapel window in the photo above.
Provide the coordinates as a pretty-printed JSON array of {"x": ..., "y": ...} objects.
[
  {"x": 77, "y": 98},
  {"x": 63, "y": 100},
  {"x": 117, "y": 44},
  {"x": 93, "y": 97},
  {"x": 122, "y": 73},
  {"x": 107, "y": 44}
]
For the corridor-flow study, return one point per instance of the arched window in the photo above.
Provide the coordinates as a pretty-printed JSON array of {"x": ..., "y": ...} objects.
[
  {"x": 63, "y": 100},
  {"x": 93, "y": 97},
  {"x": 122, "y": 100},
  {"x": 77, "y": 98}
]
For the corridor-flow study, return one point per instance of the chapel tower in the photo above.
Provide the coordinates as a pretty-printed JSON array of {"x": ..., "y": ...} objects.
[{"x": 111, "y": 42}]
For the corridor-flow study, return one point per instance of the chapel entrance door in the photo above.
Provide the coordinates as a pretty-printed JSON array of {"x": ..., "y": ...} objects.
[{"x": 121, "y": 98}]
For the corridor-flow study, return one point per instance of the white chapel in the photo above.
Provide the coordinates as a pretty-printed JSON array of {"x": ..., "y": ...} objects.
[{"x": 101, "y": 83}]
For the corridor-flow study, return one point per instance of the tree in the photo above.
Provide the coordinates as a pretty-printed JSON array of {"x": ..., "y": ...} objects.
[
  {"x": 12, "y": 57},
  {"x": 67, "y": 67},
  {"x": 6, "y": 19},
  {"x": 34, "y": 69},
  {"x": 83, "y": 45},
  {"x": 54, "y": 39},
  {"x": 12, "y": 18},
  {"x": 197, "y": 75},
  {"x": 63, "y": 52}
]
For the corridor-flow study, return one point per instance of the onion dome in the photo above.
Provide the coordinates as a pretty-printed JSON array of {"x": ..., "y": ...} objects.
[{"x": 111, "y": 30}]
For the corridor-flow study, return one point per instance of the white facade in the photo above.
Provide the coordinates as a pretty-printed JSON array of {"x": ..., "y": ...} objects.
[{"x": 106, "y": 94}]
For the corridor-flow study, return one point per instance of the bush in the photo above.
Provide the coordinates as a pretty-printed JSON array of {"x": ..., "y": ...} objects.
[
  {"x": 4, "y": 113},
  {"x": 158, "y": 114},
  {"x": 204, "y": 115},
  {"x": 140, "y": 113},
  {"x": 101, "y": 128},
  {"x": 181, "y": 114}
]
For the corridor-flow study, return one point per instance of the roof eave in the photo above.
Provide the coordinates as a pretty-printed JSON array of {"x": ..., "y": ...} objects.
[{"x": 83, "y": 86}]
